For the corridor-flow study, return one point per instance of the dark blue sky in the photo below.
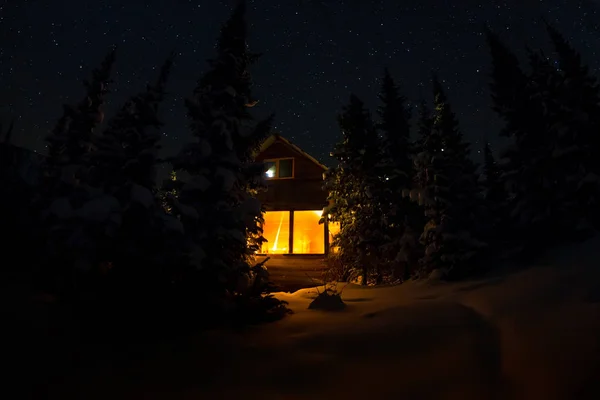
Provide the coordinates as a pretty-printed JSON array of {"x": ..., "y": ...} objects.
[{"x": 316, "y": 52}]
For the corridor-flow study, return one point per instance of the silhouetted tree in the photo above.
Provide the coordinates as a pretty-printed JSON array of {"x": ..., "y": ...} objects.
[
  {"x": 124, "y": 169},
  {"x": 395, "y": 167},
  {"x": 577, "y": 127},
  {"x": 551, "y": 194},
  {"x": 450, "y": 194},
  {"x": 71, "y": 212},
  {"x": 70, "y": 142},
  {"x": 216, "y": 174},
  {"x": 355, "y": 192}
]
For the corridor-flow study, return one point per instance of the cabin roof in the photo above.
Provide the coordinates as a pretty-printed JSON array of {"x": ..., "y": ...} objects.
[{"x": 276, "y": 137}]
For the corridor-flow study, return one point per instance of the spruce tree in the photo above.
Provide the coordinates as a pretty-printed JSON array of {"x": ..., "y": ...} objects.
[
  {"x": 395, "y": 131},
  {"x": 355, "y": 194},
  {"x": 70, "y": 218},
  {"x": 7, "y": 137},
  {"x": 124, "y": 168},
  {"x": 450, "y": 194},
  {"x": 494, "y": 190},
  {"x": 127, "y": 151},
  {"x": 70, "y": 142},
  {"x": 425, "y": 146},
  {"x": 215, "y": 173},
  {"x": 396, "y": 168},
  {"x": 577, "y": 127},
  {"x": 544, "y": 168},
  {"x": 514, "y": 101},
  {"x": 168, "y": 192},
  {"x": 543, "y": 190},
  {"x": 493, "y": 224}
]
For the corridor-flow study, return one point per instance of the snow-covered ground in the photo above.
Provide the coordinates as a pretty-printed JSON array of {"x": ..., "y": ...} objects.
[{"x": 533, "y": 334}]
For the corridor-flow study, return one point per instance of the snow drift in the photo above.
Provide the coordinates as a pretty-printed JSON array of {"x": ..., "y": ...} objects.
[{"x": 531, "y": 334}]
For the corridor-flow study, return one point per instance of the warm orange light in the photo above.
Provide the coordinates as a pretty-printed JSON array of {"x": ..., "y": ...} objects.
[
  {"x": 309, "y": 235},
  {"x": 334, "y": 229},
  {"x": 276, "y": 229}
]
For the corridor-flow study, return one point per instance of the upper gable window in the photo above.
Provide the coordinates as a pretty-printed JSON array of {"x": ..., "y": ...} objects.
[{"x": 281, "y": 168}]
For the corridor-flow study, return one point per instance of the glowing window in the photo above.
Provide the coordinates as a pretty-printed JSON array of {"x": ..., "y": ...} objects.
[
  {"x": 282, "y": 168},
  {"x": 276, "y": 229},
  {"x": 309, "y": 235},
  {"x": 334, "y": 229}
]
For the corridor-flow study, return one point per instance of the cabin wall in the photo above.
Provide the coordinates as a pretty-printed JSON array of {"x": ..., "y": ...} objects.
[
  {"x": 294, "y": 205},
  {"x": 304, "y": 168},
  {"x": 303, "y": 192}
]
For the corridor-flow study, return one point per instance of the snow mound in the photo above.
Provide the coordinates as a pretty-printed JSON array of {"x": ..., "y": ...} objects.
[
  {"x": 142, "y": 195},
  {"x": 532, "y": 334},
  {"x": 99, "y": 209}
]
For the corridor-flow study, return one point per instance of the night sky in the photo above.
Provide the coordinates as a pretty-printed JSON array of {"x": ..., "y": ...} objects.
[{"x": 316, "y": 52}]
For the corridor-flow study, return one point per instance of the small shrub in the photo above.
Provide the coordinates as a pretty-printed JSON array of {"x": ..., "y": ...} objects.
[{"x": 328, "y": 300}]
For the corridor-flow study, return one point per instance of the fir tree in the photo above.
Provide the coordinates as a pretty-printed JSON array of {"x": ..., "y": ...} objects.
[
  {"x": 215, "y": 173},
  {"x": 7, "y": 137},
  {"x": 577, "y": 127},
  {"x": 513, "y": 100},
  {"x": 355, "y": 192},
  {"x": 124, "y": 168},
  {"x": 426, "y": 145},
  {"x": 168, "y": 192},
  {"x": 493, "y": 224},
  {"x": 72, "y": 213},
  {"x": 396, "y": 168},
  {"x": 395, "y": 129},
  {"x": 127, "y": 151},
  {"x": 449, "y": 195},
  {"x": 544, "y": 167},
  {"x": 494, "y": 190},
  {"x": 70, "y": 142}
]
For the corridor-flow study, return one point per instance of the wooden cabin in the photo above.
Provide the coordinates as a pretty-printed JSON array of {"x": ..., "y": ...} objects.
[{"x": 294, "y": 201}]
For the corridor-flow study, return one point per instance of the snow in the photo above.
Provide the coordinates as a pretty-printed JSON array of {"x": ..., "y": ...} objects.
[
  {"x": 197, "y": 182},
  {"x": 99, "y": 209},
  {"x": 187, "y": 211},
  {"x": 231, "y": 91},
  {"x": 530, "y": 334},
  {"x": 172, "y": 224},
  {"x": 141, "y": 195},
  {"x": 205, "y": 148},
  {"x": 61, "y": 208},
  {"x": 228, "y": 178}
]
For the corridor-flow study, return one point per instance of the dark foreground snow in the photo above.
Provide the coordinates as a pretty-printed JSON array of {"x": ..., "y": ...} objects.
[{"x": 533, "y": 334}]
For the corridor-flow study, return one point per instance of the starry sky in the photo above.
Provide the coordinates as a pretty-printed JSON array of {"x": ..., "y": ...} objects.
[{"x": 316, "y": 52}]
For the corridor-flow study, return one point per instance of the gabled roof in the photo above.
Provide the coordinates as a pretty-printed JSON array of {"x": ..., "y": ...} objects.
[{"x": 276, "y": 137}]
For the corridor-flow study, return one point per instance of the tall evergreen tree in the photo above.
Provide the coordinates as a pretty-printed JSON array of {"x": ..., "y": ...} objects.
[
  {"x": 396, "y": 168},
  {"x": 494, "y": 190},
  {"x": 450, "y": 195},
  {"x": 7, "y": 137},
  {"x": 426, "y": 145},
  {"x": 395, "y": 130},
  {"x": 544, "y": 167},
  {"x": 124, "y": 168},
  {"x": 493, "y": 224},
  {"x": 355, "y": 192},
  {"x": 127, "y": 151},
  {"x": 514, "y": 102},
  {"x": 69, "y": 218},
  {"x": 70, "y": 143},
  {"x": 577, "y": 127},
  {"x": 215, "y": 173}
]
